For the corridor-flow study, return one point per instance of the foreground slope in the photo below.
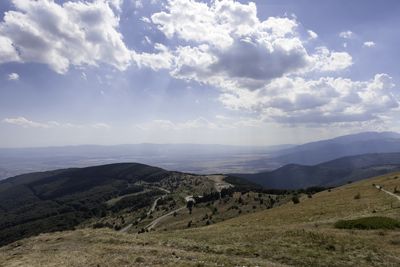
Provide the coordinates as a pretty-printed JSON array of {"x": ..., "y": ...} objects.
[{"x": 300, "y": 235}]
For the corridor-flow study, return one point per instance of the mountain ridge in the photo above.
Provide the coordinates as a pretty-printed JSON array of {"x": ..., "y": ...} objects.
[
  {"x": 348, "y": 145},
  {"x": 332, "y": 173}
]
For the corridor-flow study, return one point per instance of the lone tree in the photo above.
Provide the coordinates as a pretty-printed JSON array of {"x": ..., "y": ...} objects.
[{"x": 190, "y": 205}]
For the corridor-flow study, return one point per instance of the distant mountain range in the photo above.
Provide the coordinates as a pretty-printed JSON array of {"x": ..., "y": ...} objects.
[
  {"x": 197, "y": 158},
  {"x": 331, "y": 173},
  {"x": 348, "y": 145}
]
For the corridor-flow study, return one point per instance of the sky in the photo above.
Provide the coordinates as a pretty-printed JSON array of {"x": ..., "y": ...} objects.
[{"x": 189, "y": 71}]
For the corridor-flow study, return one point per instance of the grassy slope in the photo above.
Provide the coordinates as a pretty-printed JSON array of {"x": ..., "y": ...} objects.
[{"x": 301, "y": 235}]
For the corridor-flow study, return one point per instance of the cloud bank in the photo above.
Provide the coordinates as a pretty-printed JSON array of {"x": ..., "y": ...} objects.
[
  {"x": 26, "y": 123},
  {"x": 266, "y": 68}
]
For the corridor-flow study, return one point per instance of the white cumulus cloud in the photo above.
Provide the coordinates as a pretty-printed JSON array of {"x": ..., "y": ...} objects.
[
  {"x": 324, "y": 100},
  {"x": 369, "y": 44},
  {"x": 263, "y": 66},
  {"x": 75, "y": 33},
  {"x": 224, "y": 44},
  {"x": 346, "y": 34},
  {"x": 13, "y": 76}
]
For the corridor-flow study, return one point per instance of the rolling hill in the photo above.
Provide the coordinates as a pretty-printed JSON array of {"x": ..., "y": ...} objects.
[
  {"x": 60, "y": 200},
  {"x": 331, "y": 173},
  {"x": 301, "y": 234},
  {"x": 113, "y": 195}
]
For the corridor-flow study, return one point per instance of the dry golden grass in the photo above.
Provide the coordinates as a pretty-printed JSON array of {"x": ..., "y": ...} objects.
[
  {"x": 299, "y": 235},
  {"x": 109, "y": 248}
]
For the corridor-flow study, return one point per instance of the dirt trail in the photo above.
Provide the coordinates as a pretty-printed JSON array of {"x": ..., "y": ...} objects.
[
  {"x": 152, "y": 208},
  {"x": 388, "y": 192},
  {"x": 126, "y": 228},
  {"x": 219, "y": 184},
  {"x": 159, "y": 219}
]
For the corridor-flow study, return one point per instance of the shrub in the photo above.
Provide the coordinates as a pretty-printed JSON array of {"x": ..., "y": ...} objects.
[
  {"x": 214, "y": 210},
  {"x": 101, "y": 225},
  {"x": 139, "y": 259},
  {"x": 295, "y": 200},
  {"x": 368, "y": 223},
  {"x": 358, "y": 196}
]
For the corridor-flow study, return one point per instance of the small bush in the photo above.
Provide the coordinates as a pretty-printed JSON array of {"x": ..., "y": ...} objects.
[
  {"x": 368, "y": 223},
  {"x": 358, "y": 196},
  {"x": 139, "y": 259},
  {"x": 295, "y": 200},
  {"x": 330, "y": 247}
]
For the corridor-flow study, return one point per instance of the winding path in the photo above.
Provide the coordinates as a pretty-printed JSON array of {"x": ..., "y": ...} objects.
[
  {"x": 153, "y": 206},
  {"x": 219, "y": 184},
  {"x": 159, "y": 219}
]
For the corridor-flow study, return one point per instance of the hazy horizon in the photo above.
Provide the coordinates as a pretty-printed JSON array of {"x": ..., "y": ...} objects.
[{"x": 193, "y": 144}]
